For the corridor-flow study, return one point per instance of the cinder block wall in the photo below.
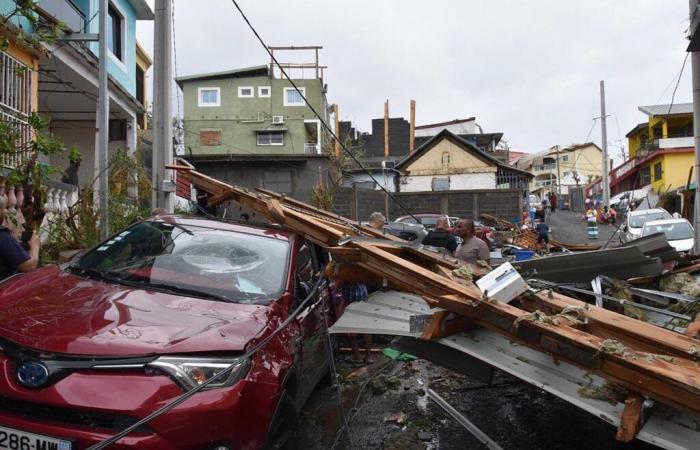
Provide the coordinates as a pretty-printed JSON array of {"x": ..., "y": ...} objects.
[{"x": 360, "y": 203}]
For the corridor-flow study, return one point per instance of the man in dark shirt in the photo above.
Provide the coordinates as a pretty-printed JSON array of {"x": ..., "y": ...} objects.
[
  {"x": 441, "y": 236},
  {"x": 13, "y": 258}
]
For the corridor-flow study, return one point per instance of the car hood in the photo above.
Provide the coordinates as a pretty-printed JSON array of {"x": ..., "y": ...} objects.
[
  {"x": 682, "y": 245},
  {"x": 54, "y": 311}
]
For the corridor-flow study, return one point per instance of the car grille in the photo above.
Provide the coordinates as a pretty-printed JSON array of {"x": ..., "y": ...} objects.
[{"x": 69, "y": 416}]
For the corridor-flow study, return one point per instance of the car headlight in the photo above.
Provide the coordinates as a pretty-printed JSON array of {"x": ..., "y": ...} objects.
[{"x": 190, "y": 372}]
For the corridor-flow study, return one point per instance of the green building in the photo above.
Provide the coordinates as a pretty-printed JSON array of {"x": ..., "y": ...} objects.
[{"x": 249, "y": 112}]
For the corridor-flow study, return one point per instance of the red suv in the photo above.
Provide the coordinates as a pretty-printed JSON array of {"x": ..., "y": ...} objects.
[{"x": 91, "y": 347}]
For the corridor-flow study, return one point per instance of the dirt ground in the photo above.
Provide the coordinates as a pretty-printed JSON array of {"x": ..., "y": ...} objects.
[{"x": 387, "y": 407}]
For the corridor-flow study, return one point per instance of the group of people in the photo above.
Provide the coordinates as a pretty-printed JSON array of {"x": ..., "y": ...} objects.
[{"x": 600, "y": 213}]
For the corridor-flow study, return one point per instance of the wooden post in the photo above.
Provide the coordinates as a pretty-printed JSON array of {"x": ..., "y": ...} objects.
[
  {"x": 316, "y": 49},
  {"x": 412, "y": 129},
  {"x": 386, "y": 129},
  {"x": 353, "y": 206},
  {"x": 337, "y": 129}
]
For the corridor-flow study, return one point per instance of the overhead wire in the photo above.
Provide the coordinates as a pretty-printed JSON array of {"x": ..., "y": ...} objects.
[
  {"x": 678, "y": 81},
  {"x": 321, "y": 119}
]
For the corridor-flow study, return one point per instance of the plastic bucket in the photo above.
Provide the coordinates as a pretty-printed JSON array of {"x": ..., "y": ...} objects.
[{"x": 524, "y": 255}]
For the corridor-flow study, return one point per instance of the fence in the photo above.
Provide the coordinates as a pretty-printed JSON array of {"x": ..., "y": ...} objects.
[{"x": 360, "y": 203}]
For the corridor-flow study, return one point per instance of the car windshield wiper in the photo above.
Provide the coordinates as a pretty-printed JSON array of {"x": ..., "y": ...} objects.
[
  {"x": 168, "y": 288},
  {"x": 87, "y": 271}
]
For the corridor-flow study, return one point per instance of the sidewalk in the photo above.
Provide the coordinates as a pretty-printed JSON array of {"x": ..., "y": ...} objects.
[{"x": 570, "y": 228}]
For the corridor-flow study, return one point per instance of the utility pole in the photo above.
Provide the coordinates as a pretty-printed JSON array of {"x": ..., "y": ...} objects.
[
  {"x": 558, "y": 176},
  {"x": 604, "y": 131},
  {"x": 102, "y": 137},
  {"x": 163, "y": 185},
  {"x": 412, "y": 128},
  {"x": 695, "y": 64},
  {"x": 386, "y": 129}
]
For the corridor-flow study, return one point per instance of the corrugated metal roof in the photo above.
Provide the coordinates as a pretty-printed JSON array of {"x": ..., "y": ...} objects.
[
  {"x": 663, "y": 110},
  {"x": 244, "y": 71}
]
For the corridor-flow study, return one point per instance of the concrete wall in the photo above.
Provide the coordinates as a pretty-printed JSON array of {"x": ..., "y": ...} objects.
[
  {"x": 82, "y": 136},
  {"x": 304, "y": 174},
  {"x": 238, "y": 118},
  {"x": 458, "y": 182},
  {"x": 359, "y": 203}
]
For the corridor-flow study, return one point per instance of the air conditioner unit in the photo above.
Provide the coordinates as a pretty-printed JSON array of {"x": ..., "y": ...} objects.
[
  {"x": 277, "y": 120},
  {"x": 388, "y": 164}
]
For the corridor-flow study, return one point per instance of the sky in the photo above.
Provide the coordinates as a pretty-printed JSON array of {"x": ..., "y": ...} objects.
[{"x": 530, "y": 70}]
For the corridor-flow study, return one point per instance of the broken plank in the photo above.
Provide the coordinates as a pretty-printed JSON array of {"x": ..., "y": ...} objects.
[{"x": 631, "y": 419}]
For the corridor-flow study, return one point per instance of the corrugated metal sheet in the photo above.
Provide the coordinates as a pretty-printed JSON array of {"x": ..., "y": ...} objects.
[{"x": 390, "y": 312}]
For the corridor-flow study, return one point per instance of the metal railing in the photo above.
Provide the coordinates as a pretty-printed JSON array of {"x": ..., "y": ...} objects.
[
  {"x": 16, "y": 106},
  {"x": 541, "y": 167}
]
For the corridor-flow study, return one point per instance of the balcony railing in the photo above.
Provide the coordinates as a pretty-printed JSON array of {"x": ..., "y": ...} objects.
[
  {"x": 312, "y": 149},
  {"x": 544, "y": 167},
  {"x": 65, "y": 12},
  {"x": 16, "y": 106}
]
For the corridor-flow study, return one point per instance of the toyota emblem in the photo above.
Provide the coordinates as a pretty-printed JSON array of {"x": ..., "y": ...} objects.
[{"x": 32, "y": 374}]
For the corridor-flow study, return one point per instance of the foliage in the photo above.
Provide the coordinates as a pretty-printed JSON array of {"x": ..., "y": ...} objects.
[
  {"x": 129, "y": 199},
  {"x": 42, "y": 31}
]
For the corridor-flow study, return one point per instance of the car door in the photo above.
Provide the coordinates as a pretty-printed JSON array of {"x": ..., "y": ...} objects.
[{"x": 312, "y": 344}]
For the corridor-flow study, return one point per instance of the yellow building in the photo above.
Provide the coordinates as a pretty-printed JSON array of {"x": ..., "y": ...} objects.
[
  {"x": 661, "y": 150},
  {"x": 143, "y": 63},
  {"x": 576, "y": 164}
]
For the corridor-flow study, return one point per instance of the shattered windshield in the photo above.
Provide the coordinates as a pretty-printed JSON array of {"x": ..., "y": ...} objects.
[
  {"x": 673, "y": 231},
  {"x": 191, "y": 260}
]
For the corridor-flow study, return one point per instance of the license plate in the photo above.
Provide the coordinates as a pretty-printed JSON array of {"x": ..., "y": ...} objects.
[{"x": 21, "y": 440}]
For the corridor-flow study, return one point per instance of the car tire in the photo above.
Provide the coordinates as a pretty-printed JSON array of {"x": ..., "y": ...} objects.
[{"x": 284, "y": 433}]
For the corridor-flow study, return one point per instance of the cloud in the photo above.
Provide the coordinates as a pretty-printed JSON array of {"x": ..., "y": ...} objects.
[{"x": 528, "y": 69}]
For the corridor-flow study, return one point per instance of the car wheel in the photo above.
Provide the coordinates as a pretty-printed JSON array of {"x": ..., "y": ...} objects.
[{"x": 284, "y": 430}]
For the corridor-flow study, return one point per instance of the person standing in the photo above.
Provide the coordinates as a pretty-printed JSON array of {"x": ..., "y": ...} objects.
[
  {"x": 472, "y": 249},
  {"x": 13, "y": 257},
  {"x": 553, "y": 201},
  {"x": 441, "y": 237},
  {"x": 542, "y": 237}
]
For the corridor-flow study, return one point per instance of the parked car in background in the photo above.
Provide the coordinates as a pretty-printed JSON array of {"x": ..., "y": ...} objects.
[
  {"x": 482, "y": 231},
  {"x": 428, "y": 220},
  {"x": 534, "y": 201},
  {"x": 93, "y": 346},
  {"x": 636, "y": 219},
  {"x": 679, "y": 232},
  {"x": 406, "y": 231}
]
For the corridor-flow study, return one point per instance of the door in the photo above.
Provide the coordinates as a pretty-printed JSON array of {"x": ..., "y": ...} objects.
[{"x": 312, "y": 345}]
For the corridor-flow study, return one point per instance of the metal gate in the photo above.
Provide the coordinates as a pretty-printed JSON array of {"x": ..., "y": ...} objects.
[{"x": 576, "y": 199}]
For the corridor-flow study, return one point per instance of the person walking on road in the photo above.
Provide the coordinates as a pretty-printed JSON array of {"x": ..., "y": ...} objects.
[
  {"x": 552, "y": 202},
  {"x": 441, "y": 237},
  {"x": 472, "y": 249}
]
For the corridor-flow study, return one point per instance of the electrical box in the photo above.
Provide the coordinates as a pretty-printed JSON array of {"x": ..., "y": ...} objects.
[{"x": 503, "y": 283}]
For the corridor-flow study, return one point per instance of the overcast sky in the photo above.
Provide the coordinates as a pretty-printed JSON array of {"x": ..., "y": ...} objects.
[{"x": 528, "y": 69}]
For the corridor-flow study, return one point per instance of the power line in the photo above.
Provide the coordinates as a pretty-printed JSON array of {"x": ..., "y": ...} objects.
[
  {"x": 678, "y": 81},
  {"x": 313, "y": 110}
]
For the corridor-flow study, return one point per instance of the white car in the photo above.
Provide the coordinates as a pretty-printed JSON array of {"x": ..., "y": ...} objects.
[
  {"x": 636, "y": 219},
  {"x": 679, "y": 232}
]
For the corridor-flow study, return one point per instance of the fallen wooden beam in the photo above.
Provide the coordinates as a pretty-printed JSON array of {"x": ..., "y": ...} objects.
[{"x": 657, "y": 363}]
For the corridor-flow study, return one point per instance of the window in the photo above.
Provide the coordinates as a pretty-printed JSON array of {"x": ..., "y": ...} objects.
[
  {"x": 293, "y": 98},
  {"x": 245, "y": 92},
  {"x": 440, "y": 184},
  {"x": 264, "y": 91},
  {"x": 209, "y": 97},
  {"x": 644, "y": 176},
  {"x": 114, "y": 31},
  {"x": 658, "y": 173},
  {"x": 565, "y": 158},
  {"x": 210, "y": 138},
  {"x": 445, "y": 158},
  {"x": 270, "y": 138},
  {"x": 117, "y": 130},
  {"x": 279, "y": 180}
]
